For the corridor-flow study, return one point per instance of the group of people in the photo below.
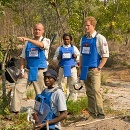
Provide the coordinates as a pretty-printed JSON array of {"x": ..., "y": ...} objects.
[{"x": 91, "y": 58}]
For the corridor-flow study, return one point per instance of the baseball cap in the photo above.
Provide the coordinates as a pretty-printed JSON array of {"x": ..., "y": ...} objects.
[{"x": 51, "y": 73}]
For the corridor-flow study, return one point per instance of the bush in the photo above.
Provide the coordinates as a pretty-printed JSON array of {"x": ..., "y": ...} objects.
[{"x": 75, "y": 108}]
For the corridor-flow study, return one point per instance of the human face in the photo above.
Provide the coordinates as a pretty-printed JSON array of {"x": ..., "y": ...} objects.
[
  {"x": 38, "y": 30},
  {"x": 89, "y": 27},
  {"x": 67, "y": 40},
  {"x": 49, "y": 81}
]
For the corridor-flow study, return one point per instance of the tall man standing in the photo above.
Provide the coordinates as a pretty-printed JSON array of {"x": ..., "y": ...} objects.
[
  {"x": 35, "y": 53},
  {"x": 94, "y": 54}
]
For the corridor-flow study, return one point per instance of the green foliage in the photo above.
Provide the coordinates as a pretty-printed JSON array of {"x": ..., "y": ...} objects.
[
  {"x": 112, "y": 59},
  {"x": 1, "y": 56},
  {"x": 15, "y": 122},
  {"x": 30, "y": 94},
  {"x": 19, "y": 122},
  {"x": 75, "y": 108},
  {"x": 104, "y": 78},
  {"x": 4, "y": 105}
]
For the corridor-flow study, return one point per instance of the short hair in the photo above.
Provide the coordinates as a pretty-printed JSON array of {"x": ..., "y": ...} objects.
[
  {"x": 67, "y": 34},
  {"x": 92, "y": 20},
  {"x": 40, "y": 25}
]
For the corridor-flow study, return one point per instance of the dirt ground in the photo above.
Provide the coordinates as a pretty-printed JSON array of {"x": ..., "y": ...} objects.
[{"x": 116, "y": 95}]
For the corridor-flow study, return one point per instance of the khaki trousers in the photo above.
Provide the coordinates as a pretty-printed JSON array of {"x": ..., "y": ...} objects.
[
  {"x": 21, "y": 87},
  {"x": 70, "y": 82},
  {"x": 95, "y": 101}
]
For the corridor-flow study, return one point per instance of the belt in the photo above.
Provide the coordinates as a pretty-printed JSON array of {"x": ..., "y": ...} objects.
[
  {"x": 91, "y": 68},
  {"x": 41, "y": 68},
  {"x": 71, "y": 66},
  {"x": 38, "y": 68}
]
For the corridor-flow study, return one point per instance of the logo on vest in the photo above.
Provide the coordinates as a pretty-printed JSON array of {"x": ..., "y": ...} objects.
[
  {"x": 86, "y": 44},
  {"x": 32, "y": 49}
]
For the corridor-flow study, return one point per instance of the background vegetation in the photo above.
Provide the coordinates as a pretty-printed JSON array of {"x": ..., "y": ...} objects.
[{"x": 17, "y": 18}]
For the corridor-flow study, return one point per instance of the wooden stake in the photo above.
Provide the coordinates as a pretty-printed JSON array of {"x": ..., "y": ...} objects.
[
  {"x": 47, "y": 125},
  {"x": 87, "y": 123}
]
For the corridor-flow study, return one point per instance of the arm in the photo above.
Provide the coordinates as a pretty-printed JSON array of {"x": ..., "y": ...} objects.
[
  {"x": 103, "y": 62},
  {"x": 22, "y": 63},
  {"x": 103, "y": 50},
  {"x": 76, "y": 54},
  {"x": 63, "y": 115},
  {"x": 55, "y": 58},
  {"x": 80, "y": 59},
  {"x": 35, "y": 42}
]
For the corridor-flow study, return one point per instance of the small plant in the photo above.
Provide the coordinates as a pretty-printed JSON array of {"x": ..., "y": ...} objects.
[
  {"x": 30, "y": 94},
  {"x": 4, "y": 110},
  {"x": 104, "y": 78},
  {"x": 75, "y": 108}
]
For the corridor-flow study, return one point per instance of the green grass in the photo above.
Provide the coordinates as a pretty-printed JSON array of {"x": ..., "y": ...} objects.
[
  {"x": 75, "y": 108},
  {"x": 30, "y": 94}
]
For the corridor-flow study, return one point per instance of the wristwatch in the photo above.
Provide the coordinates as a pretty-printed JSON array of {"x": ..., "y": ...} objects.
[{"x": 99, "y": 69}]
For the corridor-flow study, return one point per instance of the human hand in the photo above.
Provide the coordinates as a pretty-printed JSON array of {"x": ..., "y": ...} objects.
[
  {"x": 38, "y": 127},
  {"x": 35, "y": 117},
  {"x": 22, "y": 39},
  {"x": 24, "y": 75},
  {"x": 59, "y": 57},
  {"x": 74, "y": 56},
  {"x": 96, "y": 70}
]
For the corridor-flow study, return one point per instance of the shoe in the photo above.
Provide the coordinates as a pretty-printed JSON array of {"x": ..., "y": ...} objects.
[
  {"x": 14, "y": 112},
  {"x": 100, "y": 116},
  {"x": 86, "y": 114}
]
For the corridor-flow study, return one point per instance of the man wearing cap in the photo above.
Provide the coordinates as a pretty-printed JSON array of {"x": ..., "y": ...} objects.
[
  {"x": 34, "y": 54},
  {"x": 53, "y": 98},
  {"x": 94, "y": 54}
]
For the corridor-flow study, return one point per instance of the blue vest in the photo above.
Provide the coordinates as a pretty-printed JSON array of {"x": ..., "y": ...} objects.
[
  {"x": 90, "y": 56},
  {"x": 35, "y": 59},
  {"x": 45, "y": 98},
  {"x": 67, "y": 60},
  {"x": 35, "y": 56}
]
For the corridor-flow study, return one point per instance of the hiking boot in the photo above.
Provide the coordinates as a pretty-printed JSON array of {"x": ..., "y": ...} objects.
[{"x": 100, "y": 116}]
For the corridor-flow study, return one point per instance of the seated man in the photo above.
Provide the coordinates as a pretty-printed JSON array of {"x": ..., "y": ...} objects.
[{"x": 50, "y": 105}]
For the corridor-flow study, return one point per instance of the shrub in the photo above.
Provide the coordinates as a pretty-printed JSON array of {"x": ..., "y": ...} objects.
[{"x": 75, "y": 108}]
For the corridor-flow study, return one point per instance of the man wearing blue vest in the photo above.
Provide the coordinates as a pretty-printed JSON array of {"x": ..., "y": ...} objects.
[
  {"x": 50, "y": 106},
  {"x": 94, "y": 54},
  {"x": 35, "y": 53},
  {"x": 68, "y": 55}
]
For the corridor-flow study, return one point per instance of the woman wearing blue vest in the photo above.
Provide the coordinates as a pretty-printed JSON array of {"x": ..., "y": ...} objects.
[
  {"x": 34, "y": 54},
  {"x": 94, "y": 54},
  {"x": 67, "y": 55}
]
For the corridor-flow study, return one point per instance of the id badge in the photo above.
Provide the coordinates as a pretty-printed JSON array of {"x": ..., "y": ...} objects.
[
  {"x": 66, "y": 55},
  {"x": 37, "y": 105},
  {"x": 86, "y": 50},
  {"x": 33, "y": 53}
]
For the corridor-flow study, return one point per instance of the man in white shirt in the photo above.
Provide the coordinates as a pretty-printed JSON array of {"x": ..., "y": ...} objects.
[
  {"x": 34, "y": 54},
  {"x": 94, "y": 54}
]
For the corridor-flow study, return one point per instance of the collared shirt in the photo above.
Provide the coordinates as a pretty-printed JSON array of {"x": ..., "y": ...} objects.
[
  {"x": 46, "y": 43},
  {"x": 101, "y": 44},
  {"x": 76, "y": 51}
]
